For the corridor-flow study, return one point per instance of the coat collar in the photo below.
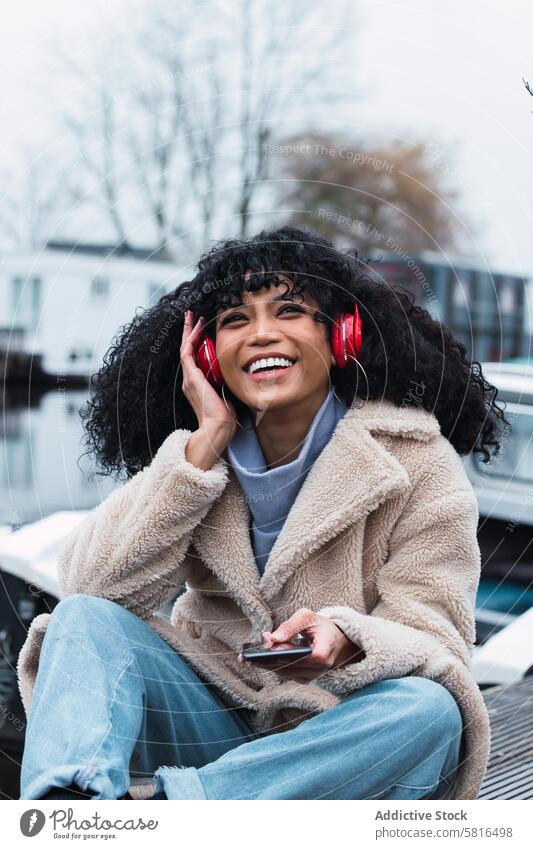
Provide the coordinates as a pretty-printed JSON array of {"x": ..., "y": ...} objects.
[{"x": 351, "y": 477}]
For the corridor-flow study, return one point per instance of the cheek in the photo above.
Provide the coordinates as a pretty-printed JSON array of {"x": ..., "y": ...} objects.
[
  {"x": 317, "y": 352},
  {"x": 226, "y": 353}
]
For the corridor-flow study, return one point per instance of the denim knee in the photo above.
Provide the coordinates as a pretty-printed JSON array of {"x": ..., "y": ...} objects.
[
  {"x": 434, "y": 706},
  {"x": 82, "y": 610}
]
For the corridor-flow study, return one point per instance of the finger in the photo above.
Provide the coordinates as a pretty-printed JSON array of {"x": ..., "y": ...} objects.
[
  {"x": 187, "y": 322},
  {"x": 188, "y": 343},
  {"x": 296, "y": 623},
  {"x": 191, "y": 330}
]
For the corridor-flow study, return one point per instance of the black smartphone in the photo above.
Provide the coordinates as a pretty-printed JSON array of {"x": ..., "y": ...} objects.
[{"x": 260, "y": 653}]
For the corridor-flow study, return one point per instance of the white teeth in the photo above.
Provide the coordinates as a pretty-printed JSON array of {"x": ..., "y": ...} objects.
[{"x": 269, "y": 363}]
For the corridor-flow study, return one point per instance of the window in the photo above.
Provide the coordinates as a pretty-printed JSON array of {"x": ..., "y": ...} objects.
[
  {"x": 507, "y": 299},
  {"x": 26, "y": 301},
  {"x": 100, "y": 287},
  {"x": 16, "y": 291},
  {"x": 461, "y": 292}
]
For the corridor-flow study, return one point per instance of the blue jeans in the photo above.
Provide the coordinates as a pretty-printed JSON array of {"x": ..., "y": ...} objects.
[{"x": 113, "y": 702}]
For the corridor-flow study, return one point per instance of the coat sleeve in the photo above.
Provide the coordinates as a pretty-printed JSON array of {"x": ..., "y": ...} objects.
[
  {"x": 131, "y": 548},
  {"x": 424, "y": 618}
]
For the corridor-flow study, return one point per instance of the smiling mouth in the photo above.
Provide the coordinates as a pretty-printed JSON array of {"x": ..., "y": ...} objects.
[{"x": 269, "y": 374}]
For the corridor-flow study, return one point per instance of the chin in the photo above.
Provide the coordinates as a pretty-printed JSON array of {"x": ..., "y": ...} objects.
[{"x": 273, "y": 400}]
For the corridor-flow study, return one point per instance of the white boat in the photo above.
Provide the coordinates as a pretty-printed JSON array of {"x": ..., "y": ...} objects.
[{"x": 30, "y": 553}]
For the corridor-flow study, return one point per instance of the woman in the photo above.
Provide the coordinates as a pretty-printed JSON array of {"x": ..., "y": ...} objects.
[{"x": 316, "y": 499}]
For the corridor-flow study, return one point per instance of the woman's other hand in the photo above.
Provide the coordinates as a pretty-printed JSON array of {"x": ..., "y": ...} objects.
[{"x": 331, "y": 647}]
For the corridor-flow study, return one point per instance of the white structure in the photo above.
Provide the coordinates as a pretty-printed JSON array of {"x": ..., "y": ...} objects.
[
  {"x": 67, "y": 301},
  {"x": 507, "y": 656},
  {"x": 31, "y": 552}
]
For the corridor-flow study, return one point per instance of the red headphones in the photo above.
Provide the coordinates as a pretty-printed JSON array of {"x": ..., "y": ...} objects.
[{"x": 346, "y": 342}]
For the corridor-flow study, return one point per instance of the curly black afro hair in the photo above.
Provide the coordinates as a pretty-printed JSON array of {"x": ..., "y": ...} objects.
[{"x": 136, "y": 397}]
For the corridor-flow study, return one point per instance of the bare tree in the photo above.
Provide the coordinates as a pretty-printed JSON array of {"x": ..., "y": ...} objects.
[
  {"x": 180, "y": 106},
  {"x": 365, "y": 194},
  {"x": 174, "y": 124},
  {"x": 262, "y": 100},
  {"x": 527, "y": 86},
  {"x": 33, "y": 198},
  {"x": 101, "y": 164}
]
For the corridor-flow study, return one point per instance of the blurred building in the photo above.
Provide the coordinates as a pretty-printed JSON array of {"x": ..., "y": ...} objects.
[
  {"x": 490, "y": 312},
  {"x": 63, "y": 304}
]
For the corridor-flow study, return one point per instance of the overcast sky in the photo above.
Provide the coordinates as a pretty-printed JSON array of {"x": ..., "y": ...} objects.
[{"x": 447, "y": 74}]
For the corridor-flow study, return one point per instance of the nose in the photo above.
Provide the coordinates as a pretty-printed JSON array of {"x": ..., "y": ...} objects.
[{"x": 262, "y": 329}]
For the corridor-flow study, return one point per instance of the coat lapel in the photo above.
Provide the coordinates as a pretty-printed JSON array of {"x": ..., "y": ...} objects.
[
  {"x": 223, "y": 542},
  {"x": 351, "y": 477}
]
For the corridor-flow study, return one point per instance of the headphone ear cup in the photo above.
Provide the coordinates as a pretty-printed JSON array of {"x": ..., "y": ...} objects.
[
  {"x": 337, "y": 346},
  {"x": 206, "y": 359},
  {"x": 347, "y": 337},
  {"x": 354, "y": 333},
  {"x": 357, "y": 332}
]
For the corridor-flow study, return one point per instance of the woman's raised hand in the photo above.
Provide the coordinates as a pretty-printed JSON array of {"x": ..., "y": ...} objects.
[{"x": 210, "y": 409}]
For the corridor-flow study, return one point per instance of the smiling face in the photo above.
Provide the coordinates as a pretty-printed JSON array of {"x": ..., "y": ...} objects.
[{"x": 265, "y": 326}]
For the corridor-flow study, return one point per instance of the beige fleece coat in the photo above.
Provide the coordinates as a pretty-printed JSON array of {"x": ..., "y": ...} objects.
[{"x": 381, "y": 538}]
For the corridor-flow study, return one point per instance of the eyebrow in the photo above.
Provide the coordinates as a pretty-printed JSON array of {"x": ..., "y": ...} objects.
[{"x": 245, "y": 306}]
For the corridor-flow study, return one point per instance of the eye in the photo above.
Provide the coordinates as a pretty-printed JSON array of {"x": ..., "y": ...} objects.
[
  {"x": 290, "y": 307},
  {"x": 230, "y": 317},
  {"x": 239, "y": 315}
]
